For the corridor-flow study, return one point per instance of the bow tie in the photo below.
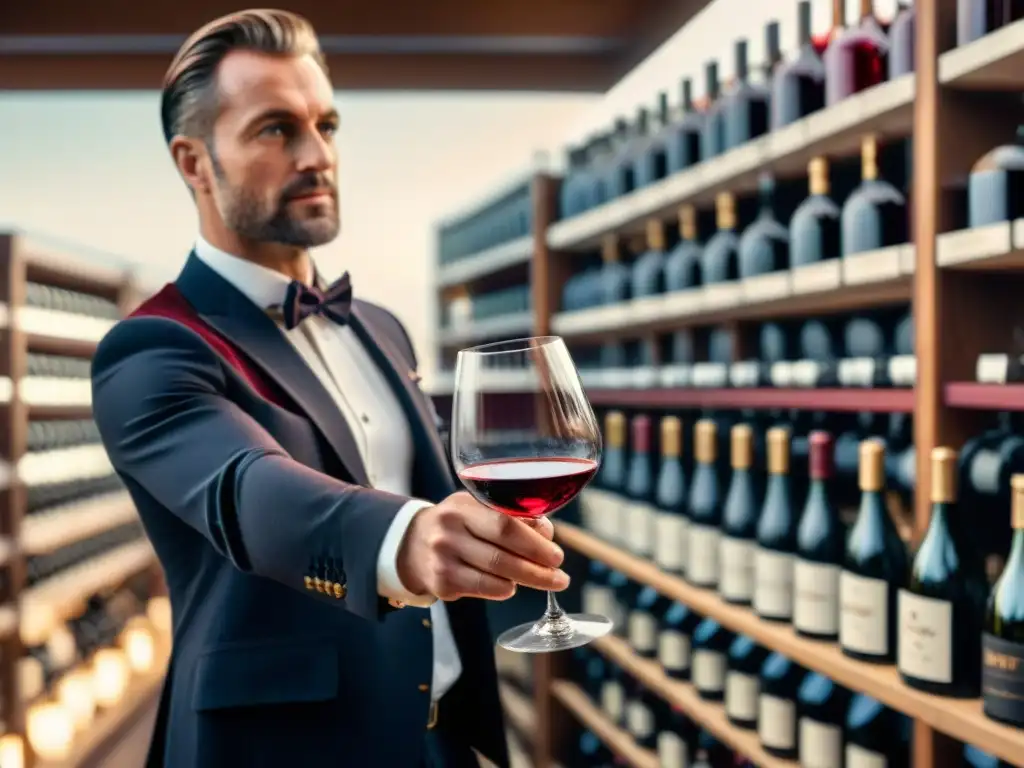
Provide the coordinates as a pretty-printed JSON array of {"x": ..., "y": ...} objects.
[{"x": 301, "y": 301}]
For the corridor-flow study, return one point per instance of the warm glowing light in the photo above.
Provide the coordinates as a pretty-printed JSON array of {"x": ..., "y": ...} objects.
[
  {"x": 12, "y": 751},
  {"x": 51, "y": 730},
  {"x": 75, "y": 692},
  {"x": 139, "y": 646},
  {"x": 109, "y": 676},
  {"x": 159, "y": 612}
]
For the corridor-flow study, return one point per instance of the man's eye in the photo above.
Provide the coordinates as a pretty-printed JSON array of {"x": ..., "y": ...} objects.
[
  {"x": 328, "y": 129},
  {"x": 275, "y": 129}
]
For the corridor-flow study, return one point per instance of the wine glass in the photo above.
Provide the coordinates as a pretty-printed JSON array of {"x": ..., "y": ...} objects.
[{"x": 527, "y": 455}]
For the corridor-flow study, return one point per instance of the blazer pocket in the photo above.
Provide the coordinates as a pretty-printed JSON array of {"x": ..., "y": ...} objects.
[{"x": 249, "y": 676}]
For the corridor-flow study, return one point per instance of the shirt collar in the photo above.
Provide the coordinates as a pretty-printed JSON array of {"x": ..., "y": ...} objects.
[{"x": 263, "y": 287}]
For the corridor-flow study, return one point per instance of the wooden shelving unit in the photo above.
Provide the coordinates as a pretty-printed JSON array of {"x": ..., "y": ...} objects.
[
  {"x": 964, "y": 288},
  {"x": 618, "y": 741},
  {"x": 28, "y": 615}
]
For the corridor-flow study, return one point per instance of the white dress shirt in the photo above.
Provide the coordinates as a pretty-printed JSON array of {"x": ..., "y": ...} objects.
[{"x": 374, "y": 415}]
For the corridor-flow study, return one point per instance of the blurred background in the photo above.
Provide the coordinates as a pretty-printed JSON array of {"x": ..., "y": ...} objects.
[{"x": 747, "y": 214}]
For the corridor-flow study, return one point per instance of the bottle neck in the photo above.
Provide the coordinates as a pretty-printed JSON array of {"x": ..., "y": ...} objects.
[{"x": 817, "y": 493}]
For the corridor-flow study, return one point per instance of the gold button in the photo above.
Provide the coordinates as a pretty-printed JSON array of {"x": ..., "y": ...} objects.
[
  {"x": 426, "y": 623},
  {"x": 309, "y": 582},
  {"x": 424, "y": 687},
  {"x": 396, "y": 603},
  {"x": 340, "y": 590},
  {"x": 318, "y": 584}
]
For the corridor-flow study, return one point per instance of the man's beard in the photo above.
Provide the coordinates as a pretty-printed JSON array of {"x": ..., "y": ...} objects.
[{"x": 247, "y": 214}]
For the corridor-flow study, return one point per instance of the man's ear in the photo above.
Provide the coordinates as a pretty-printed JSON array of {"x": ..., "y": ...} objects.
[{"x": 190, "y": 157}]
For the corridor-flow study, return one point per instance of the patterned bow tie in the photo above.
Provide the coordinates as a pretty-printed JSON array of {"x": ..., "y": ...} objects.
[{"x": 301, "y": 301}]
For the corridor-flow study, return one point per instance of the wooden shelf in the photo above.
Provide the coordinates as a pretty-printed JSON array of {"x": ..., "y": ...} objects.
[
  {"x": 513, "y": 256},
  {"x": 519, "y": 711},
  {"x": 962, "y": 719},
  {"x": 684, "y": 697},
  {"x": 113, "y": 724},
  {"x": 58, "y": 345},
  {"x": 993, "y": 62},
  {"x": 616, "y": 739},
  {"x": 993, "y": 248},
  {"x": 58, "y": 412},
  {"x": 858, "y": 282},
  {"x": 855, "y": 400},
  {"x": 511, "y": 382},
  {"x": 57, "y": 598},
  {"x": 985, "y": 397},
  {"x": 884, "y": 109},
  {"x": 46, "y": 531}
]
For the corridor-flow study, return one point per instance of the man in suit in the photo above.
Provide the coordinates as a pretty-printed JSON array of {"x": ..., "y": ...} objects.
[{"x": 321, "y": 569}]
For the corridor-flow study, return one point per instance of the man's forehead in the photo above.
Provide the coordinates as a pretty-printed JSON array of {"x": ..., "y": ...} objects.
[{"x": 250, "y": 80}]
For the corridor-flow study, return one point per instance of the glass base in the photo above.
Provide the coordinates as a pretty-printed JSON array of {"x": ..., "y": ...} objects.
[{"x": 561, "y": 633}]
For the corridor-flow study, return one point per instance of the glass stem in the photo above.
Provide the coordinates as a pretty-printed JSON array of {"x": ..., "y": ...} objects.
[
  {"x": 554, "y": 610},
  {"x": 554, "y": 622}
]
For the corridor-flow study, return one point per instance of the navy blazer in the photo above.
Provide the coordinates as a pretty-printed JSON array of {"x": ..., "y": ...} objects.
[{"x": 251, "y": 487}]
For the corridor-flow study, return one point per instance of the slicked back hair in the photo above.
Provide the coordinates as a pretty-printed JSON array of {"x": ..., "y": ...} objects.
[{"x": 188, "y": 104}]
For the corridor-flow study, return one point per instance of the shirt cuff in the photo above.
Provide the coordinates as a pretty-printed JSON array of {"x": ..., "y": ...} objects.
[{"x": 389, "y": 584}]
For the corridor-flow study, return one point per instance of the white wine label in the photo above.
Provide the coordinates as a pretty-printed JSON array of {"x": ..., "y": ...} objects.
[
  {"x": 1002, "y": 678},
  {"x": 773, "y": 587},
  {"x": 736, "y": 580},
  {"x": 613, "y": 699},
  {"x": 702, "y": 568},
  {"x": 776, "y": 722},
  {"x": 806, "y": 373},
  {"x": 709, "y": 671},
  {"x": 925, "y": 648},
  {"x": 863, "y": 614},
  {"x": 781, "y": 374},
  {"x": 821, "y": 745},
  {"x": 639, "y": 720},
  {"x": 598, "y": 599},
  {"x": 858, "y": 757},
  {"x": 857, "y": 372},
  {"x": 816, "y": 597},
  {"x": 669, "y": 536},
  {"x": 639, "y": 528},
  {"x": 903, "y": 370},
  {"x": 674, "y": 651},
  {"x": 741, "y": 692},
  {"x": 672, "y": 751},
  {"x": 643, "y": 632}
]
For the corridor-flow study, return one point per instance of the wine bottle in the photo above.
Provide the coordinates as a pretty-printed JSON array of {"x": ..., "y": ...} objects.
[
  {"x": 684, "y": 143},
  {"x": 639, "y": 514},
  {"x": 593, "y": 752},
  {"x": 993, "y": 187},
  {"x": 745, "y": 106},
  {"x": 670, "y": 519},
  {"x": 977, "y": 18},
  {"x": 856, "y": 59},
  {"x": 875, "y": 215},
  {"x": 942, "y": 608},
  {"x": 798, "y": 86},
  {"x": 651, "y": 163},
  {"x": 640, "y": 715},
  {"x": 705, "y": 504},
  {"x": 874, "y": 567},
  {"x": 675, "y": 740},
  {"x": 615, "y": 276},
  {"x": 764, "y": 245},
  {"x": 875, "y": 735},
  {"x": 776, "y": 536},
  {"x": 976, "y": 758},
  {"x": 571, "y": 194},
  {"x": 821, "y": 705},
  {"x": 742, "y": 681},
  {"x": 777, "y": 713},
  {"x": 1002, "y": 674},
  {"x": 814, "y": 227},
  {"x": 683, "y": 264},
  {"x": 675, "y": 640},
  {"x": 739, "y": 522},
  {"x": 712, "y": 137},
  {"x": 720, "y": 262},
  {"x": 819, "y": 550},
  {"x": 623, "y": 592},
  {"x": 647, "y": 612},
  {"x": 597, "y": 596},
  {"x": 901, "y": 41},
  {"x": 648, "y": 269},
  {"x": 711, "y": 643},
  {"x": 44, "y": 566},
  {"x": 613, "y": 694},
  {"x": 606, "y": 513}
]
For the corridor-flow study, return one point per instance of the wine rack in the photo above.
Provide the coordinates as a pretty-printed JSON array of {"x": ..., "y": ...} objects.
[
  {"x": 84, "y": 626},
  {"x": 961, "y": 282}
]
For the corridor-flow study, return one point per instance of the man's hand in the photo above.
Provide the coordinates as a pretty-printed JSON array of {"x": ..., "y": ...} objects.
[{"x": 461, "y": 548}]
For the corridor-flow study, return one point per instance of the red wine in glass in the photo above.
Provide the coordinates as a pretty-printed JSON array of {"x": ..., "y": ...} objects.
[
  {"x": 528, "y": 487},
  {"x": 527, "y": 455}
]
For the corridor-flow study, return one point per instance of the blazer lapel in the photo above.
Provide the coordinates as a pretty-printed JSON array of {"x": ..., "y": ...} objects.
[
  {"x": 422, "y": 417},
  {"x": 253, "y": 331}
]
